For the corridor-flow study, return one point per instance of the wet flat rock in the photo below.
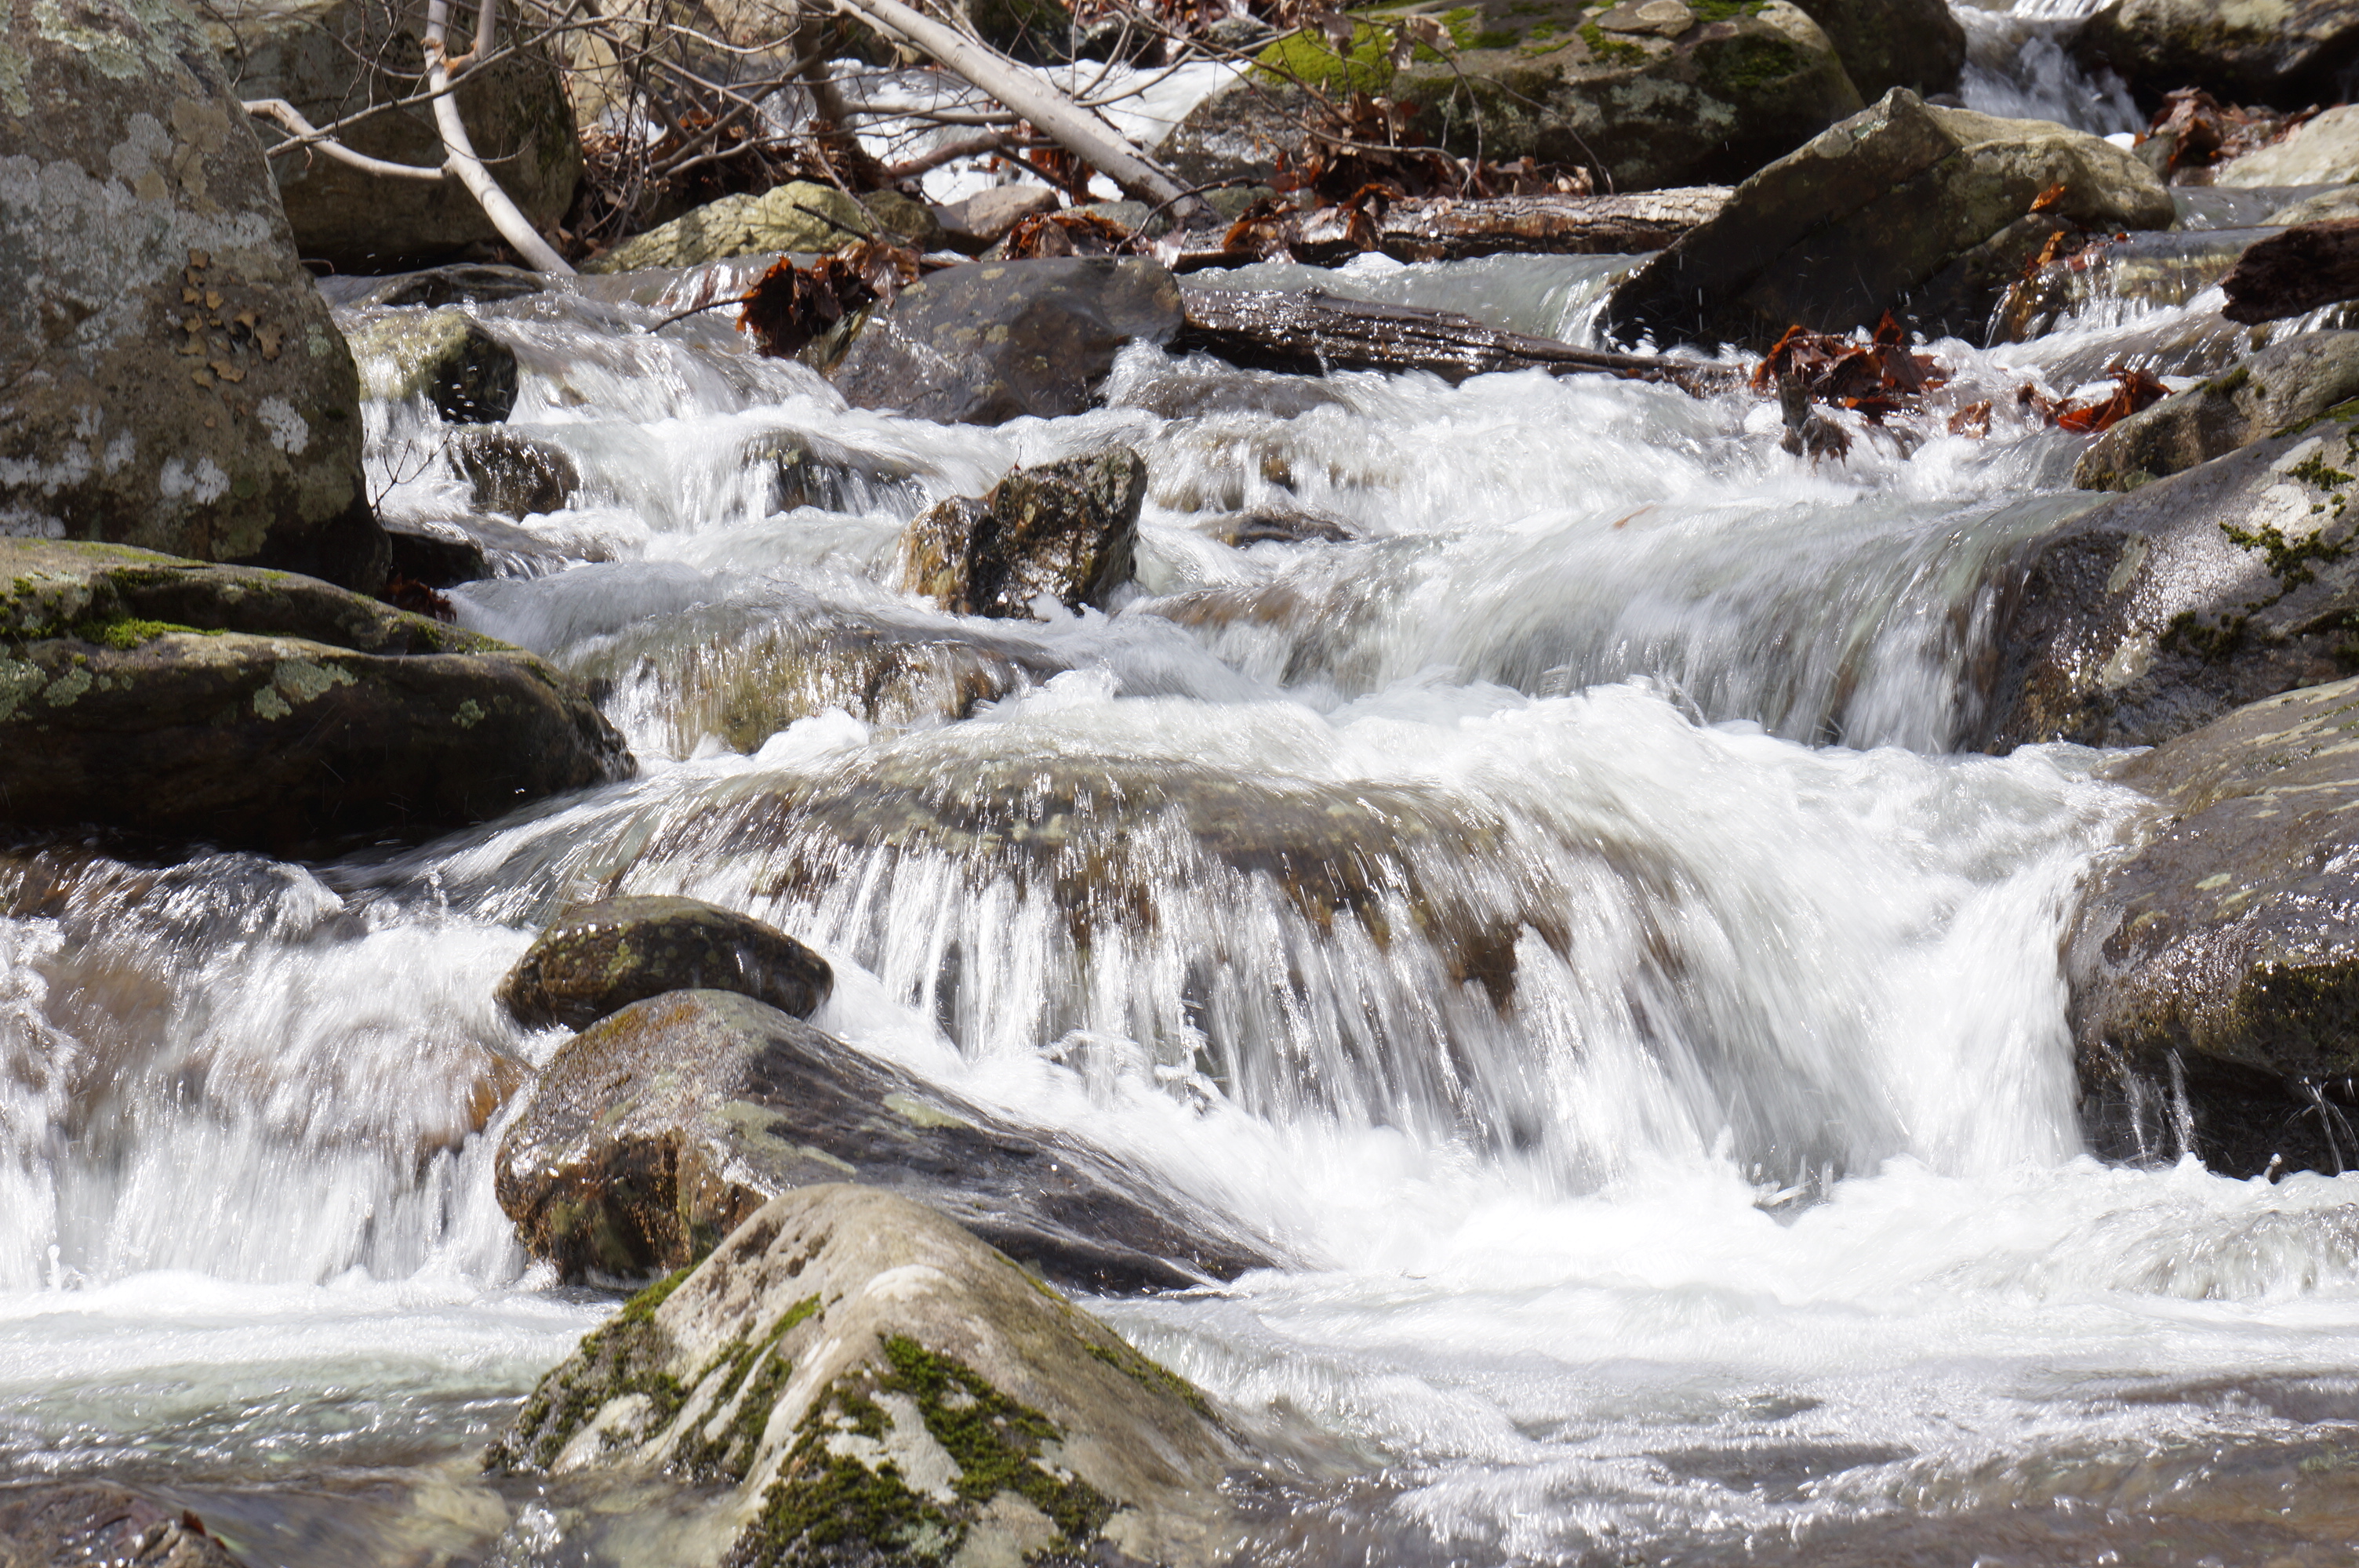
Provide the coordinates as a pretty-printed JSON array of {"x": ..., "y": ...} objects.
[
  {"x": 598, "y": 958},
  {"x": 660, "y": 1129},
  {"x": 852, "y": 1379},
  {"x": 2222, "y": 957}
]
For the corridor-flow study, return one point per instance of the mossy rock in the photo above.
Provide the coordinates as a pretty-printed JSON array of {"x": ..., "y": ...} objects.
[
  {"x": 599, "y": 958},
  {"x": 444, "y": 356},
  {"x": 2285, "y": 386},
  {"x": 855, "y": 1378},
  {"x": 799, "y": 216},
  {"x": 263, "y": 708}
]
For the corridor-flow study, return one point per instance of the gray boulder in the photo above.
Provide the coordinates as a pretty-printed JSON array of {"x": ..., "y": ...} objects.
[
  {"x": 597, "y": 958},
  {"x": 1924, "y": 211},
  {"x": 983, "y": 219},
  {"x": 332, "y": 59},
  {"x": 658, "y": 1129},
  {"x": 446, "y": 356},
  {"x": 2164, "y": 608},
  {"x": 1066, "y": 529},
  {"x": 856, "y": 1380},
  {"x": 258, "y": 708},
  {"x": 169, "y": 376},
  {"x": 985, "y": 344},
  {"x": 2217, "y": 965},
  {"x": 2320, "y": 151},
  {"x": 2288, "y": 53},
  {"x": 2283, "y": 387},
  {"x": 1916, "y": 44}
]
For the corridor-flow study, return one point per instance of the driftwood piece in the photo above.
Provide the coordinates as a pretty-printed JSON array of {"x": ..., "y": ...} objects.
[
  {"x": 2294, "y": 273},
  {"x": 1444, "y": 229},
  {"x": 1310, "y": 333}
]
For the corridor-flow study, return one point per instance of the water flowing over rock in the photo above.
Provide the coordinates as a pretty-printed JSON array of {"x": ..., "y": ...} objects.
[
  {"x": 2215, "y": 968},
  {"x": 169, "y": 376},
  {"x": 1065, "y": 530},
  {"x": 862, "y": 1381},
  {"x": 984, "y": 344},
  {"x": 2288, "y": 53},
  {"x": 796, "y": 216},
  {"x": 70, "y": 1525},
  {"x": 2161, "y": 610},
  {"x": 660, "y": 1129},
  {"x": 332, "y": 59},
  {"x": 1924, "y": 211},
  {"x": 469, "y": 375},
  {"x": 1885, "y": 44},
  {"x": 254, "y": 708},
  {"x": 2282, "y": 388},
  {"x": 598, "y": 958}
]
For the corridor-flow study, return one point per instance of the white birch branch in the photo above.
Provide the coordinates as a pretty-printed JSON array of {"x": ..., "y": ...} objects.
[
  {"x": 466, "y": 166},
  {"x": 281, "y": 113}
]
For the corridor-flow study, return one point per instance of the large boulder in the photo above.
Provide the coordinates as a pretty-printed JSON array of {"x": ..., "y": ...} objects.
[
  {"x": 658, "y": 1130},
  {"x": 170, "y": 378},
  {"x": 78, "y": 1523},
  {"x": 2285, "y": 386},
  {"x": 1066, "y": 530},
  {"x": 988, "y": 343},
  {"x": 2161, "y": 610},
  {"x": 332, "y": 59},
  {"x": 1924, "y": 211},
  {"x": 1916, "y": 44},
  {"x": 260, "y": 709},
  {"x": 798, "y": 216},
  {"x": 2217, "y": 965},
  {"x": 852, "y": 1378},
  {"x": 2288, "y": 53},
  {"x": 597, "y": 958},
  {"x": 1645, "y": 93}
]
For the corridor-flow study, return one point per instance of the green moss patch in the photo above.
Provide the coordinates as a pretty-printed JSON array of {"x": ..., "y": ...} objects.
[
  {"x": 1607, "y": 49},
  {"x": 121, "y": 632},
  {"x": 624, "y": 1356},
  {"x": 728, "y": 1454}
]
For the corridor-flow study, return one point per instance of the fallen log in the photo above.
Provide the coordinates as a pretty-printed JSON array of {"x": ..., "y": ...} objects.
[
  {"x": 1311, "y": 333},
  {"x": 1444, "y": 229},
  {"x": 2294, "y": 273}
]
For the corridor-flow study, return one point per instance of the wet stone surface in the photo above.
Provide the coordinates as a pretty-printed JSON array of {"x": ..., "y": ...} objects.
[{"x": 598, "y": 958}]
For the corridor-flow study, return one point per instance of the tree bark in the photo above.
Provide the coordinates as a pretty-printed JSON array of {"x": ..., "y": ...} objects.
[
  {"x": 2294, "y": 273},
  {"x": 1546, "y": 226}
]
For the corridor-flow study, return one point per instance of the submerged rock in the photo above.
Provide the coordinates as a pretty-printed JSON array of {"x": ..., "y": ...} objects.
[
  {"x": 2159, "y": 611},
  {"x": 598, "y": 958},
  {"x": 660, "y": 1129},
  {"x": 170, "y": 378},
  {"x": 859, "y": 1380},
  {"x": 262, "y": 709},
  {"x": 445, "y": 356},
  {"x": 1925, "y": 211},
  {"x": 70, "y": 1524},
  {"x": 1065, "y": 530},
  {"x": 797, "y": 216},
  {"x": 2283, "y": 387},
  {"x": 332, "y": 59},
  {"x": 2288, "y": 53},
  {"x": 2217, "y": 965},
  {"x": 515, "y": 474},
  {"x": 985, "y": 344}
]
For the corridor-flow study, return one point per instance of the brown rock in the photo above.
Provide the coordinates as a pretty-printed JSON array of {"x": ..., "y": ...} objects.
[{"x": 598, "y": 958}]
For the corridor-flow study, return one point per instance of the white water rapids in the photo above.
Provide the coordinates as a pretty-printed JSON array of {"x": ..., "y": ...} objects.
[{"x": 1671, "y": 1120}]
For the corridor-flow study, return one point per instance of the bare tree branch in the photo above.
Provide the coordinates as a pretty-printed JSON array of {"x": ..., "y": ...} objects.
[
  {"x": 310, "y": 137},
  {"x": 468, "y": 168}
]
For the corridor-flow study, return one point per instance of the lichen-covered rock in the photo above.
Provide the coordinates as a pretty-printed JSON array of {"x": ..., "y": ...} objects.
[
  {"x": 469, "y": 375},
  {"x": 1884, "y": 44},
  {"x": 2161, "y": 610},
  {"x": 1925, "y": 211},
  {"x": 2283, "y": 387},
  {"x": 2320, "y": 151},
  {"x": 1066, "y": 530},
  {"x": 2219, "y": 961},
  {"x": 2288, "y": 53},
  {"x": 1646, "y": 93},
  {"x": 332, "y": 59},
  {"x": 858, "y": 1380},
  {"x": 261, "y": 708},
  {"x": 170, "y": 378},
  {"x": 70, "y": 1524},
  {"x": 798, "y": 216},
  {"x": 656, "y": 1130},
  {"x": 599, "y": 958},
  {"x": 987, "y": 343}
]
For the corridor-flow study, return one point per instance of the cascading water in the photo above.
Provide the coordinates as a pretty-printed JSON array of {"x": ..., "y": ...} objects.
[{"x": 1544, "y": 907}]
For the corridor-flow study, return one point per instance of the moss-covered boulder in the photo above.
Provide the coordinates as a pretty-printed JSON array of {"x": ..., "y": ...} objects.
[
  {"x": 597, "y": 958},
  {"x": 856, "y": 1380},
  {"x": 1884, "y": 44},
  {"x": 2284, "y": 387},
  {"x": 1645, "y": 93},
  {"x": 1065, "y": 530},
  {"x": 170, "y": 378},
  {"x": 2164, "y": 608},
  {"x": 985, "y": 344},
  {"x": 2217, "y": 965},
  {"x": 333, "y": 59},
  {"x": 1925, "y": 211},
  {"x": 656, "y": 1131},
  {"x": 445, "y": 356},
  {"x": 798, "y": 216},
  {"x": 261, "y": 708},
  {"x": 2289, "y": 53}
]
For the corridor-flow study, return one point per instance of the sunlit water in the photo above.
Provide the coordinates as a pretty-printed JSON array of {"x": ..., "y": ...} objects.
[{"x": 1551, "y": 916}]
